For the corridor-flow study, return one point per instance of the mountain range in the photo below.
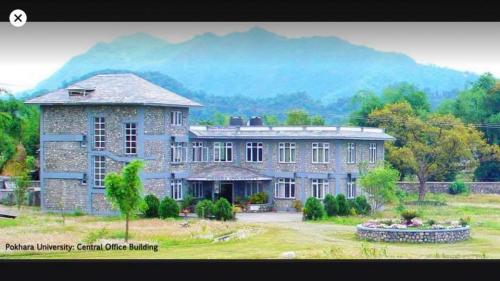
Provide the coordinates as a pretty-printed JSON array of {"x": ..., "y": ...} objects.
[{"x": 261, "y": 65}]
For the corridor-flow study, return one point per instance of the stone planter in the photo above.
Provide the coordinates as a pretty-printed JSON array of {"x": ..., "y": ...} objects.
[
  {"x": 449, "y": 235},
  {"x": 257, "y": 208}
]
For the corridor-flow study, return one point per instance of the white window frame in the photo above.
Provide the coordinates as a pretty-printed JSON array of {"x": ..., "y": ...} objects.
[
  {"x": 258, "y": 147},
  {"x": 318, "y": 188},
  {"x": 99, "y": 133},
  {"x": 99, "y": 171},
  {"x": 351, "y": 152},
  {"x": 176, "y": 189},
  {"x": 176, "y": 117},
  {"x": 178, "y": 152},
  {"x": 287, "y": 149},
  {"x": 372, "y": 152},
  {"x": 130, "y": 145},
  {"x": 197, "y": 189},
  {"x": 252, "y": 187},
  {"x": 223, "y": 149},
  {"x": 351, "y": 188},
  {"x": 282, "y": 185},
  {"x": 199, "y": 152},
  {"x": 322, "y": 147}
]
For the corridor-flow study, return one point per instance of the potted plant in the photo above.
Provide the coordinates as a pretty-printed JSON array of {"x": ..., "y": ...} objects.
[{"x": 258, "y": 201}]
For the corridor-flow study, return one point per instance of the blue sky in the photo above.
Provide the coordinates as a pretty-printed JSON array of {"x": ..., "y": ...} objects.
[{"x": 33, "y": 52}]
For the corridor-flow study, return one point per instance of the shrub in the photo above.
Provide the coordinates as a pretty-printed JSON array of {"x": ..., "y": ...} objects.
[
  {"x": 152, "y": 206},
  {"x": 458, "y": 187},
  {"x": 331, "y": 205},
  {"x": 297, "y": 204},
  {"x": 361, "y": 205},
  {"x": 259, "y": 198},
  {"x": 223, "y": 209},
  {"x": 204, "y": 208},
  {"x": 78, "y": 212},
  {"x": 313, "y": 209},
  {"x": 168, "y": 208},
  {"x": 464, "y": 221},
  {"x": 431, "y": 222},
  {"x": 188, "y": 202},
  {"x": 343, "y": 205},
  {"x": 408, "y": 215}
]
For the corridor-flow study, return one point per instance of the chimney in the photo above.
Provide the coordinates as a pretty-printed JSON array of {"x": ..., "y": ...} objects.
[
  {"x": 256, "y": 121},
  {"x": 236, "y": 121}
]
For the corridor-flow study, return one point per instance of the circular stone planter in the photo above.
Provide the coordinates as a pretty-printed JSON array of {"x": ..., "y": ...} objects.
[{"x": 450, "y": 235}]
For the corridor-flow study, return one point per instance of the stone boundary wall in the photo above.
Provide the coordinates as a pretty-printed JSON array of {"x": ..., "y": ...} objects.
[
  {"x": 414, "y": 236},
  {"x": 442, "y": 187}
]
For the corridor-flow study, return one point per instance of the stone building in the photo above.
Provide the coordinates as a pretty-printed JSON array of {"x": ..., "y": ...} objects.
[{"x": 97, "y": 125}]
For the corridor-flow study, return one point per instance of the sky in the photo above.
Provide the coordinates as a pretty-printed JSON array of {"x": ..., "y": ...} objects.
[{"x": 33, "y": 52}]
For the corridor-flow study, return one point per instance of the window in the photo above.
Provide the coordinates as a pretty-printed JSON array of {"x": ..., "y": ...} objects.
[
  {"x": 287, "y": 152},
  {"x": 223, "y": 151},
  {"x": 197, "y": 189},
  {"x": 351, "y": 187},
  {"x": 373, "y": 152},
  {"x": 319, "y": 187},
  {"x": 176, "y": 118},
  {"x": 99, "y": 133},
  {"x": 130, "y": 138},
  {"x": 99, "y": 171},
  {"x": 200, "y": 153},
  {"x": 178, "y": 152},
  {"x": 320, "y": 152},
  {"x": 254, "y": 151},
  {"x": 252, "y": 187},
  {"x": 351, "y": 152},
  {"x": 284, "y": 188},
  {"x": 176, "y": 186}
]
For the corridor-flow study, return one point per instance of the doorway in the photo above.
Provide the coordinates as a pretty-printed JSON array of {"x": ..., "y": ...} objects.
[{"x": 226, "y": 191}]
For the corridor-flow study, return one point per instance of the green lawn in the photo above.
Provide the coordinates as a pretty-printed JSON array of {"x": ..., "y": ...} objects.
[{"x": 332, "y": 238}]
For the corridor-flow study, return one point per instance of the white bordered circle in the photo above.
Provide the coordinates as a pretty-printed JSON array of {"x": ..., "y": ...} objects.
[{"x": 18, "y": 18}]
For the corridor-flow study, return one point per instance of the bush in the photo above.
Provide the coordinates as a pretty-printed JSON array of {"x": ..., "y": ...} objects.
[
  {"x": 343, "y": 205},
  {"x": 168, "y": 208},
  {"x": 361, "y": 205},
  {"x": 331, "y": 205},
  {"x": 152, "y": 206},
  {"x": 188, "y": 202},
  {"x": 223, "y": 209},
  {"x": 204, "y": 208},
  {"x": 408, "y": 215},
  {"x": 431, "y": 222},
  {"x": 259, "y": 198},
  {"x": 313, "y": 209},
  {"x": 458, "y": 187},
  {"x": 464, "y": 221}
]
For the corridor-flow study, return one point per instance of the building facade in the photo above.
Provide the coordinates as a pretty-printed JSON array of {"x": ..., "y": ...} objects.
[{"x": 98, "y": 125}]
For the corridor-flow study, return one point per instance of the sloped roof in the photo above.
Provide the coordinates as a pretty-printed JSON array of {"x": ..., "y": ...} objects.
[
  {"x": 226, "y": 173},
  {"x": 288, "y": 132},
  {"x": 116, "y": 89}
]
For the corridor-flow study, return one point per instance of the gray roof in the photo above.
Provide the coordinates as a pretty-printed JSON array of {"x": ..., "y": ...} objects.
[
  {"x": 116, "y": 89},
  {"x": 288, "y": 132},
  {"x": 223, "y": 173}
]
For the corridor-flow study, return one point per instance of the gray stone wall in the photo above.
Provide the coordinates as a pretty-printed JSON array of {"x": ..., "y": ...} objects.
[
  {"x": 68, "y": 195},
  {"x": 154, "y": 121},
  {"x": 156, "y": 187},
  {"x": 65, "y": 157},
  {"x": 64, "y": 120},
  {"x": 442, "y": 187},
  {"x": 414, "y": 236},
  {"x": 100, "y": 205}
]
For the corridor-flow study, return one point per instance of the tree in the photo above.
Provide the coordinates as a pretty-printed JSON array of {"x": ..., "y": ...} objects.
[
  {"x": 313, "y": 209},
  {"x": 380, "y": 184},
  {"x": 428, "y": 146},
  {"x": 271, "y": 120},
  {"x": 331, "y": 205},
  {"x": 124, "y": 190},
  {"x": 22, "y": 180},
  {"x": 297, "y": 117},
  {"x": 317, "y": 120}
]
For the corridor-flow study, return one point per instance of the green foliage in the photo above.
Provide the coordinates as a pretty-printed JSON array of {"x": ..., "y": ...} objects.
[
  {"x": 331, "y": 205},
  {"x": 313, "y": 209},
  {"x": 488, "y": 171},
  {"x": 78, "y": 213},
  {"x": 152, "y": 206},
  {"x": 361, "y": 205},
  {"x": 344, "y": 208},
  {"x": 124, "y": 190},
  {"x": 317, "y": 120},
  {"x": 297, "y": 117},
  {"x": 188, "y": 202},
  {"x": 271, "y": 120},
  {"x": 259, "y": 198},
  {"x": 297, "y": 204},
  {"x": 464, "y": 221},
  {"x": 223, "y": 210},
  {"x": 204, "y": 208},
  {"x": 408, "y": 215},
  {"x": 380, "y": 184},
  {"x": 96, "y": 235},
  {"x": 168, "y": 208},
  {"x": 458, "y": 187}
]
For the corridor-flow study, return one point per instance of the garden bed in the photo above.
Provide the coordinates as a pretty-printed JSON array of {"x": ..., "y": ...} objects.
[{"x": 405, "y": 235}]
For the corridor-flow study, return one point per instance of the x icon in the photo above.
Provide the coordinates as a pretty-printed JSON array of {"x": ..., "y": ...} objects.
[{"x": 18, "y": 18}]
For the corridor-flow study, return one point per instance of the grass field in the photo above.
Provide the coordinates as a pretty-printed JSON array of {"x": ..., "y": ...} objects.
[{"x": 333, "y": 238}]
